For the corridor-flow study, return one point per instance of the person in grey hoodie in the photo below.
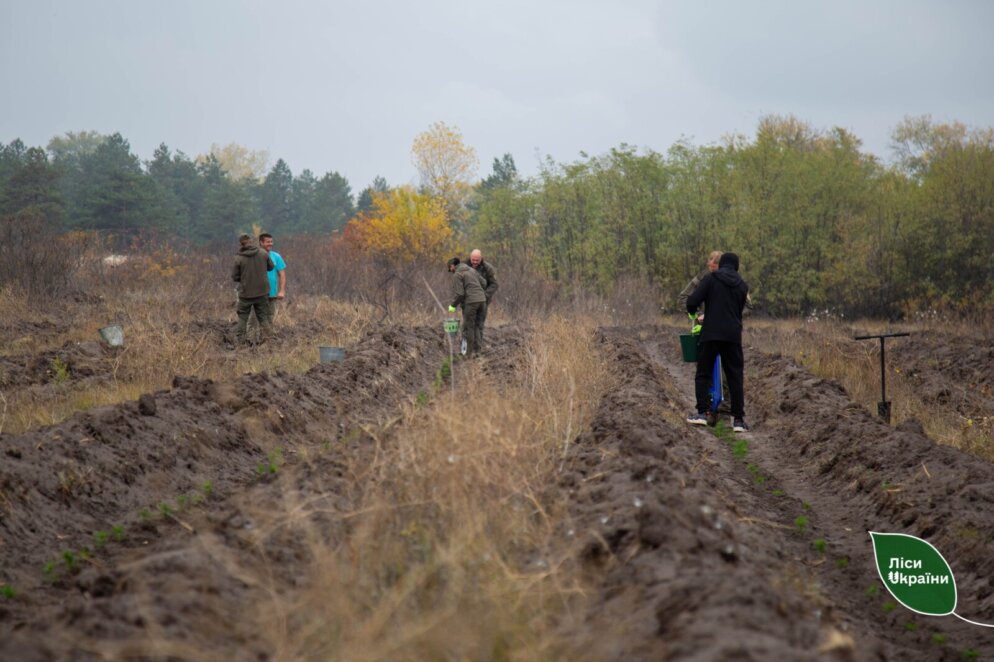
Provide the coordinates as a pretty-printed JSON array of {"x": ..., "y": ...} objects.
[
  {"x": 468, "y": 292},
  {"x": 252, "y": 265},
  {"x": 724, "y": 294}
]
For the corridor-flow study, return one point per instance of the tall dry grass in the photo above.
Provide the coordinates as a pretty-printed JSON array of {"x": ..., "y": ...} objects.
[
  {"x": 455, "y": 545},
  {"x": 827, "y": 349}
]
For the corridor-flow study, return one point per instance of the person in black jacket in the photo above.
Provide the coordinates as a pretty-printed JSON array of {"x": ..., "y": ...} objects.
[{"x": 724, "y": 295}]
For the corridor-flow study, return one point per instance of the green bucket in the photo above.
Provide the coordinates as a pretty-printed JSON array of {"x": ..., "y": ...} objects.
[
  {"x": 688, "y": 345},
  {"x": 451, "y": 325}
]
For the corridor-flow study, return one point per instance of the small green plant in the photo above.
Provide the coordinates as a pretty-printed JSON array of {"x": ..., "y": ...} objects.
[
  {"x": 273, "y": 465},
  {"x": 757, "y": 477},
  {"x": 117, "y": 531},
  {"x": 805, "y": 505},
  {"x": 443, "y": 373},
  {"x": 801, "y": 524},
  {"x": 49, "y": 571},
  {"x": 910, "y": 626},
  {"x": 85, "y": 553},
  {"x": 60, "y": 371},
  {"x": 969, "y": 654},
  {"x": 819, "y": 545},
  {"x": 724, "y": 432},
  {"x": 165, "y": 510},
  {"x": 7, "y": 591},
  {"x": 207, "y": 489},
  {"x": 422, "y": 399},
  {"x": 842, "y": 562},
  {"x": 70, "y": 559},
  {"x": 145, "y": 514},
  {"x": 740, "y": 448},
  {"x": 939, "y": 639},
  {"x": 778, "y": 492},
  {"x": 100, "y": 538},
  {"x": 889, "y": 606},
  {"x": 872, "y": 590},
  {"x": 182, "y": 501}
]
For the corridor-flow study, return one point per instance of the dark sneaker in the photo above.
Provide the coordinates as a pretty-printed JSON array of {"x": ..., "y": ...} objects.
[
  {"x": 697, "y": 419},
  {"x": 739, "y": 425}
]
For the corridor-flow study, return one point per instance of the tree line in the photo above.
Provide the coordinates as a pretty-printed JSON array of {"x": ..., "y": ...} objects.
[
  {"x": 88, "y": 181},
  {"x": 819, "y": 223}
]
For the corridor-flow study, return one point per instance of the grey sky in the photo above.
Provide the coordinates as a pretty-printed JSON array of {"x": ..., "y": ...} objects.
[{"x": 347, "y": 86}]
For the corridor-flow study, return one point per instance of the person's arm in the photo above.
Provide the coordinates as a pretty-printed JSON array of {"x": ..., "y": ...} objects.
[
  {"x": 491, "y": 284},
  {"x": 281, "y": 284},
  {"x": 697, "y": 297},
  {"x": 458, "y": 292},
  {"x": 681, "y": 299},
  {"x": 236, "y": 271}
]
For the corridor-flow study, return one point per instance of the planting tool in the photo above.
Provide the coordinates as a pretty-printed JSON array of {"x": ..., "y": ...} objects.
[{"x": 883, "y": 407}]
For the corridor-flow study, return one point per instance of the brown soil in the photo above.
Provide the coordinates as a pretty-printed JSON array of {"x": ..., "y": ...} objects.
[{"x": 690, "y": 551}]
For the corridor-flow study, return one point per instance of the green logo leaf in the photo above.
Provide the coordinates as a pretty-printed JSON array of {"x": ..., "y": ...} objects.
[{"x": 915, "y": 573}]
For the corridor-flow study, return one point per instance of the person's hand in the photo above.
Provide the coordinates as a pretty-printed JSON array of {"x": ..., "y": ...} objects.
[
  {"x": 280, "y": 295},
  {"x": 452, "y": 309}
]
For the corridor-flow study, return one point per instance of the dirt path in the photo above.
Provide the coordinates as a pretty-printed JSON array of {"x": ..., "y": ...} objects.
[{"x": 827, "y": 460}]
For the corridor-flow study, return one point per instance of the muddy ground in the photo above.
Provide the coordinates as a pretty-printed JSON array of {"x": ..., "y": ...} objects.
[{"x": 690, "y": 546}]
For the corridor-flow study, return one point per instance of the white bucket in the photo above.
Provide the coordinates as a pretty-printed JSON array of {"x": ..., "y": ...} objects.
[
  {"x": 331, "y": 354},
  {"x": 113, "y": 335}
]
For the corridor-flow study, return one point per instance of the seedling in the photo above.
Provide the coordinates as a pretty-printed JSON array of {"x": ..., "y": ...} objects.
[
  {"x": 939, "y": 639},
  {"x": 165, "y": 510},
  {"x": 723, "y": 432},
  {"x": 756, "y": 476},
  {"x": 274, "y": 463},
  {"x": 443, "y": 373},
  {"x": 969, "y": 654},
  {"x": 872, "y": 590},
  {"x": 422, "y": 399},
  {"x": 60, "y": 371},
  {"x": 805, "y": 505},
  {"x": 740, "y": 448},
  {"x": 100, "y": 538},
  {"x": 49, "y": 571},
  {"x": 842, "y": 562},
  {"x": 889, "y": 606},
  {"x": 7, "y": 591},
  {"x": 778, "y": 492},
  {"x": 145, "y": 514},
  {"x": 910, "y": 626},
  {"x": 819, "y": 545},
  {"x": 85, "y": 553},
  {"x": 118, "y": 532},
  {"x": 801, "y": 524},
  {"x": 208, "y": 489},
  {"x": 181, "y": 501},
  {"x": 69, "y": 558}
]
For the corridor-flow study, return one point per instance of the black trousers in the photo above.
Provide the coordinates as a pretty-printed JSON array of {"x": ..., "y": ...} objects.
[{"x": 733, "y": 364}]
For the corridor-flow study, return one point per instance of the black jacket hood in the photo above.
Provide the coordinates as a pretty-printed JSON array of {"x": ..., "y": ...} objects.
[{"x": 728, "y": 276}]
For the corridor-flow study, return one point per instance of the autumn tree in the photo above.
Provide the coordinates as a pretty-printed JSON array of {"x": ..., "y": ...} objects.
[
  {"x": 404, "y": 226},
  {"x": 238, "y": 161},
  {"x": 446, "y": 167}
]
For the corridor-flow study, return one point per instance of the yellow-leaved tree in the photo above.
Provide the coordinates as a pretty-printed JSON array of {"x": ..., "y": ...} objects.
[
  {"x": 447, "y": 167},
  {"x": 403, "y": 226},
  {"x": 238, "y": 161}
]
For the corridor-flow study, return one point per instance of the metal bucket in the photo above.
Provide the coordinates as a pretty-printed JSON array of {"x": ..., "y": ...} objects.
[
  {"x": 113, "y": 335},
  {"x": 688, "y": 345},
  {"x": 331, "y": 354}
]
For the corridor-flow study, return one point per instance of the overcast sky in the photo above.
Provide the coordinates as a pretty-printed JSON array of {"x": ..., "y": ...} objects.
[{"x": 346, "y": 86}]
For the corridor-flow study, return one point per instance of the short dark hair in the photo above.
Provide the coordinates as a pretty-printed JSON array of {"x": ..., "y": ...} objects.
[
  {"x": 245, "y": 237},
  {"x": 730, "y": 259},
  {"x": 265, "y": 235},
  {"x": 453, "y": 262}
]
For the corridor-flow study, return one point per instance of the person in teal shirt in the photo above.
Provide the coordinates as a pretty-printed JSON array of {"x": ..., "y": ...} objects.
[{"x": 277, "y": 277}]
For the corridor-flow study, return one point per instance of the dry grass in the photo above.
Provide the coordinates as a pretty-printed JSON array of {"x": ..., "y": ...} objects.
[
  {"x": 456, "y": 546},
  {"x": 165, "y": 338},
  {"x": 828, "y": 350}
]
